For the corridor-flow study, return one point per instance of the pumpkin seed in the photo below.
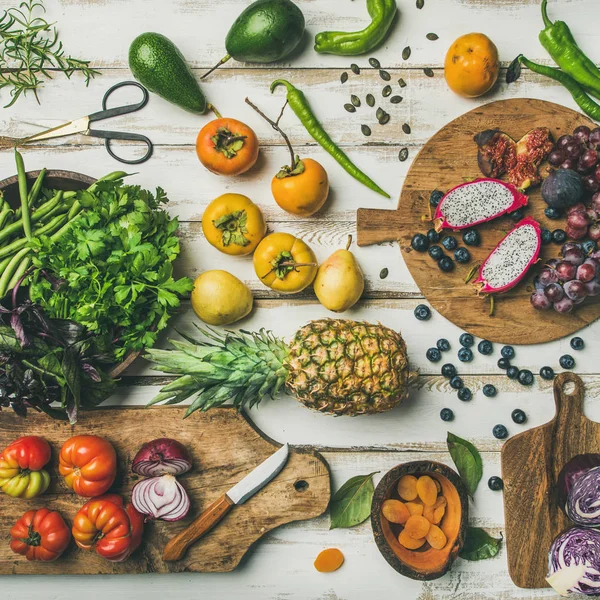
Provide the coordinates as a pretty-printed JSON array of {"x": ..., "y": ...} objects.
[
  {"x": 355, "y": 68},
  {"x": 366, "y": 130},
  {"x": 374, "y": 63},
  {"x": 386, "y": 91},
  {"x": 406, "y": 53},
  {"x": 350, "y": 108},
  {"x": 380, "y": 112},
  {"x": 383, "y": 273},
  {"x": 370, "y": 100},
  {"x": 403, "y": 154},
  {"x": 355, "y": 100},
  {"x": 428, "y": 72},
  {"x": 385, "y": 119},
  {"x": 401, "y": 82},
  {"x": 384, "y": 75},
  {"x": 344, "y": 77},
  {"x": 396, "y": 99},
  {"x": 420, "y": 4},
  {"x": 406, "y": 128},
  {"x": 432, "y": 36}
]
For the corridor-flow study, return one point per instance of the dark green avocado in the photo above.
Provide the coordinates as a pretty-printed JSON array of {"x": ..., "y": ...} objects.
[{"x": 158, "y": 64}]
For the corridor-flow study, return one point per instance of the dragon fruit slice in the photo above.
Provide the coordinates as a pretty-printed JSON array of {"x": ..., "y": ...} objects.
[
  {"x": 510, "y": 260},
  {"x": 476, "y": 202}
]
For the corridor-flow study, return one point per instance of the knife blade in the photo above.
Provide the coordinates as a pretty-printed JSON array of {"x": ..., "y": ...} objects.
[{"x": 238, "y": 494}]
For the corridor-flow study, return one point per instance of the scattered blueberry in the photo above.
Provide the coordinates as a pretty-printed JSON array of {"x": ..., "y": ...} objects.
[
  {"x": 443, "y": 344},
  {"x": 435, "y": 252},
  {"x": 471, "y": 237},
  {"x": 489, "y": 390},
  {"x": 435, "y": 197},
  {"x": 466, "y": 340},
  {"x": 449, "y": 370},
  {"x": 462, "y": 256},
  {"x": 589, "y": 246},
  {"x": 577, "y": 343},
  {"x": 507, "y": 352},
  {"x": 567, "y": 361},
  {"x": 518, "y": 416},
  {"x": 433, "y": 355},
  {"x": 420, "y": 243},
  {"x": 446, "y": 264},
  {"x": 465, "y": 355},
  {"x": 517, "y": 215},
  {"x": 503, "y": 363},
  {"x": 559, "y": 236},
  {"x": 485, "y": 347},
  {"x": 546, "y": 236},
  {"x": 500, "y": 432},
  {"x": 449, "y": 242},
  {"x": 525, "y": 377},
  {"x": 495, "y": 484},
  {"x": 465, "y": 394},
  {"x": 433, "y": 236},
  {"x": 446, "y": 414},
  {"x": 547, "y": 373},
  {"x": 456, "y": 382},
  {"x": 512, "y": 372},
  {"x": 422, "y": 312},
  {"x": 553, "y": 213}
]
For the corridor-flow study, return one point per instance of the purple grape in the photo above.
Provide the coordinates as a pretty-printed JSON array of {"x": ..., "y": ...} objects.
[
  {"x": 587, "y": 271},
  {"x": 566, "y": 271},
  {"x": 591, "y": 184},
  {"x": 548, "y": 276},
  {"x": 575, "y": 289},
  {"x": 564, "y": 306},
  {"x": 572, "y": 253},
  {"x": 594, "y": 232},
  {"x": 556, "y": 157},
  {"x": 554, "y": 292},
  {"x": 563, "y": 140},
  {"x": 578, "y": 220},
  {"x": 569, "y": 163},
  {"x": 592, "y": 288},
  {"x": 539, "y": 301},
  {"x": 551, "y": 263},
  {"x": 573, "y": 149},
  {"x": 582, "y": 134},
  {"x": 587, "y": 160},
  {"x": 596, "y": 197},
  {"x": 595, "y": 138}
]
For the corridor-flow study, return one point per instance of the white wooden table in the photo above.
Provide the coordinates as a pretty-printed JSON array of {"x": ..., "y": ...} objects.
[{"x": 280, "y": 567}]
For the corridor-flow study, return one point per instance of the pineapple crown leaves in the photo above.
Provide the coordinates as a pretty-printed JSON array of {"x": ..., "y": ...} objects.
[{"x": 240, "y": 367}]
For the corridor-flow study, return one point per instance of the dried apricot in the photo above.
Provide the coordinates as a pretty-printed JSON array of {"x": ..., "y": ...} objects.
[
  {"x": 329, "y": 560},
  {"x": 417, "y": 527},
  {"x": 408, "y": 542},
  {"x": 428, "y": 513},
  {"x": 407, "y": 488},
  {"x": 436, "y": 537},
  {"x": 427, "y": 490},
  {"x": 414, "y": 508},
  {"x": 395, "y": 511},
  {"x": 438, "y": 485},
  {"x": 438, "y": 515}
]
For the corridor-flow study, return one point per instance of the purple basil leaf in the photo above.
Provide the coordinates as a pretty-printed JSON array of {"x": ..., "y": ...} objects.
[
  {"x": 91, "y": 372},
  {"x": 17, "y": 325}
]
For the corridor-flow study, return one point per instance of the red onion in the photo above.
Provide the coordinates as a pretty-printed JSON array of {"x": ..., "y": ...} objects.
[
  {"x": 161, "y": 498},
  {"x": 163, "y": 456}
]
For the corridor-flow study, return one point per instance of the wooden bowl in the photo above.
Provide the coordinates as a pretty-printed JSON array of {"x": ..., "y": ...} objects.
[
  {"x": 67, "y": 181},
  {"x": 426, "y": 563}
]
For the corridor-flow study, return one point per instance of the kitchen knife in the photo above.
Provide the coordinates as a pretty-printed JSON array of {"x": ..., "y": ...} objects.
[{"x": 238, "y": 494}]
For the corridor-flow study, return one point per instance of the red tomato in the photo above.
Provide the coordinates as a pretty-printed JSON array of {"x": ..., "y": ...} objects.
[
  {"x": 29, "y": 452},
  {"x": 40, "y": 535},
  {"x": 89, "y": 464},
  {"x": 21, "y": 472},
  {"x": 136, "y": 522}
]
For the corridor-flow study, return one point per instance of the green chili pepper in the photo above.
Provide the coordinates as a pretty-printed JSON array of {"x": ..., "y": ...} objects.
[
  {"x": 300, "y": 106},
  {"x": 587, "y": 105},
  {"x": 352, "y": 43},
  {"x": 558, "y": 40}
]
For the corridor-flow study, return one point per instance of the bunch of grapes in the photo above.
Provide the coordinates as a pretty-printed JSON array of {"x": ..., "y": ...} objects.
[
  {"x": 584, "y": 220},
  {"x": 564, "y": 283}
]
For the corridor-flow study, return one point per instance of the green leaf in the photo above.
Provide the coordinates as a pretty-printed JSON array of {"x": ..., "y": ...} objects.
[
  {"x": 351, "y": 504},
  {"x": 467, "y": 460},
  {"x": 72, "y": 376},
  {"x": 480, "y": 545}
]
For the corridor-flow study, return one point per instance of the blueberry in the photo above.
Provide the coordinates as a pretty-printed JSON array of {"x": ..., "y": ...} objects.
[
  {"x": 567, "y": 361},
  {"x": 471, "y": 237},
  {"x": 420, "y": 243},
  {"x": 422, "y": 312},
  {"x": 466, "y": 340},
  {"x": 443, "y": 344},
  {"x": 435, "y": 197},
  {"x": 433, "y": 236},
  {"x": 503, "y": 363},
  {"x": 446, "y": 414},
  {"x": 546, "y": 236},
  {"x": 507, "y": 352},
  {"x": 495, "y": 484},
  {"x": 489, "y": 390},
  {"x": 518, "y": 416},
  {"x": 433, "y": 355},
  {"x": 559, "y": 236},
  {"x": 456, "y": 382},
  {"x": 547, "y": 373},
  {"x": 465, "y": 394},
  {"x": 465, "y": 355},
  {"x": 553, "y": 213},
  {"x": 500, "y": 432},
  {"x": 518, "y": 214},
  {"x": 577, "y": 343},
  {"x": 436, "y": 252},
  {"x": 446, "y": 264},
  {"x": 525, "y": 377},
  {"x": 589, "y": 246},
  {"x": 449, "y": 242},
  {"x": 485, "y": 347},
  {"x": 449, "y": 370},
  {"x": 462, "y": 256},
  {"x": 512, "y": 372}
]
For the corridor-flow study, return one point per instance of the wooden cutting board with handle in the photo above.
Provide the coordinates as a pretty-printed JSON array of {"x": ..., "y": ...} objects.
[
  {"x": 225, "y": 447},
  {"x": 531, "y": 462}
]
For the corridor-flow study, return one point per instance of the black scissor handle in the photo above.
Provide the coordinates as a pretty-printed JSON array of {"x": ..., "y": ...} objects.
[
  {"x": 108, "y": 136},
  {"x": 120, "y": 110}
]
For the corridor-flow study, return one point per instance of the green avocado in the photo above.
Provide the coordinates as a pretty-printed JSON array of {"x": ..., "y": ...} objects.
[
  {"x": 158, "y": 64},
  {"x": 266, "y": 31}
]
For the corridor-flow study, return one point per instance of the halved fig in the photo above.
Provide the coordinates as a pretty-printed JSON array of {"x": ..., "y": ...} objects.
[{"x": 497, "y": 152}]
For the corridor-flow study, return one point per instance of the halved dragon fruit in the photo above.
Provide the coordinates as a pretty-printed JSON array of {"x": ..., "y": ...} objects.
[
  {"x": 475, "y": 202},
  {"x": 510, "y": 260}
]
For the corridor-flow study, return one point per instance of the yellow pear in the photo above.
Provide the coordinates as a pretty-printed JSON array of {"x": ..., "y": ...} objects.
[{"x": 339, "y": 282}]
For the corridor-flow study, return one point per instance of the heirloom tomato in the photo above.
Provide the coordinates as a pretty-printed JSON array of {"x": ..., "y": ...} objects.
[
  {"x": 40, "y": 535},
  {"x": 21, "y": 467}
]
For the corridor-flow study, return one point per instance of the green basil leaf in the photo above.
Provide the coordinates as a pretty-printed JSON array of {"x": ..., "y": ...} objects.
[
  {"x": 467, "y": 460},
  {"x": 351, "y": 504},
  {"x": 480, "y": 545}
]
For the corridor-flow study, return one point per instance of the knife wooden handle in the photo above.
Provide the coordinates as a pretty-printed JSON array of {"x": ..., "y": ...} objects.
[{"x": 177, "y": 546}]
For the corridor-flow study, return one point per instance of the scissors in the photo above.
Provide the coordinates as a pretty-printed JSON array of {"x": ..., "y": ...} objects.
[{"x": 83, "y": 125}]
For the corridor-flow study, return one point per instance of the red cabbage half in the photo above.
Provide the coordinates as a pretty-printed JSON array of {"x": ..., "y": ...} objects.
[
  {"x": 571, "y": 471},
  {"x": 583, "y": 501},
  {"x": 574, "y": 562}
]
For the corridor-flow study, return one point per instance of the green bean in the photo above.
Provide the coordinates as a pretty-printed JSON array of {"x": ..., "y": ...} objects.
[
  {"x": 114, "y": 176},
  {"x": 10, "y": 270},
  {"x": 36, "y": 188},
  {"x": 5, "y": 214},
  {"x": 22, "y": 178},
  {"x": 46, "y": 229},
  {"x": 21, "y": 270},
  {"x": 74, "y": 210},
  {"x": 3, "y": 264}
]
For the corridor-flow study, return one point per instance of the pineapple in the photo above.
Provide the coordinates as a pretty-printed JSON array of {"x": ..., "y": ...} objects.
[{"x": 335, "y": 366}]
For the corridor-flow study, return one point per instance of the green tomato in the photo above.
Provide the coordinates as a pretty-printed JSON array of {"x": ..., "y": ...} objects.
[{"x": 26, "y": 484}]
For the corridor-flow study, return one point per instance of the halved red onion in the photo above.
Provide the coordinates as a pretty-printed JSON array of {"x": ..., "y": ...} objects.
[
  {"x": 162, "y": 456},
  {"x": 161, "y": 498}
]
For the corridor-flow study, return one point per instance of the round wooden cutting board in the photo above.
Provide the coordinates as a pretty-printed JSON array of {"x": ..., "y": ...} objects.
[{"x": 448, "y": 159}]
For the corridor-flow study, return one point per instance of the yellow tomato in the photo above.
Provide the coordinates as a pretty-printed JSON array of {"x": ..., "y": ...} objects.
[
  {"x": 233, "y": 224},
  {"x": 285, "y": 263}
]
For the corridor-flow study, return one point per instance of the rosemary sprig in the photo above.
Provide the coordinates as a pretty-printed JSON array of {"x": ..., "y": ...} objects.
[{"x": 30, "y": 50}]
